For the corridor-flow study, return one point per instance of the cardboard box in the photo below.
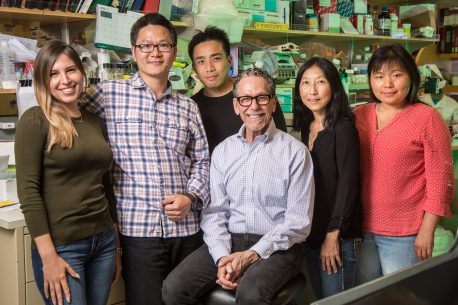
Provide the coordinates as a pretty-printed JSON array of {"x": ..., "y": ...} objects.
[
  {"x": 263, "y": 16},
  {"x": 247, "y": 17},
  {"x": 243, "y": 4},
  {"x": 283, "y": 10},
  {"x": 271, "y": 5},
  {"x": 325, "y": 6},
  {"x": 419, "y": 15},
  {"x": 285, "y": 96},
  {"x": 258, "y": 5},
  {"x": 360, "y": 7},
  {"x": 330, "y": 23},
  {"x": 345, "y": 8},
  {"x": 421, "y": 20}
]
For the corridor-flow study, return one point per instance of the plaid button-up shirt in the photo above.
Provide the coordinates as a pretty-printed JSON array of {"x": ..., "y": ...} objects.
[{"x": 160, "y": 149}]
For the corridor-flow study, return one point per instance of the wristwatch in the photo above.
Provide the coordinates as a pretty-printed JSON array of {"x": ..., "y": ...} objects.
[{"x": 191, "y": 197}]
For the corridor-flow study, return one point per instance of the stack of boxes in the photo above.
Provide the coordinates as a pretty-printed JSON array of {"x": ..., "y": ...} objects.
[
  {"x": 285, "y": 98},
  {"x": 267, "y": 14}
]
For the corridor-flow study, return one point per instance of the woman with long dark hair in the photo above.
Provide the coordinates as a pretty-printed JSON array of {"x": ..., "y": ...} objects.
[{"x": 322, "y": 114}]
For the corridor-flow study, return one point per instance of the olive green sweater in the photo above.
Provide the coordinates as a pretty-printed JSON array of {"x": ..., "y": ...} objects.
[{"x": 63, "y": 192}]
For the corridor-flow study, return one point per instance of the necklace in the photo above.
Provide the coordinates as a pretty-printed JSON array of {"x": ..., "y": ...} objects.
[{"x": 79, "y": 119}]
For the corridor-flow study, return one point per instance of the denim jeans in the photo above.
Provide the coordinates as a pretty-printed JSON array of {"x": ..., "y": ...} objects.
[
  {"x": 381, "y": 255},
  {"x": 325, "y": 285},
  {"x": 93, "y": 259}
]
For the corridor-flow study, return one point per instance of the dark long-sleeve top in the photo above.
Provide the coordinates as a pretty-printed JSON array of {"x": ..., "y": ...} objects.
[
  {"x": 336, "y": 166},
  {"x": 220, "y": 120},
  {"x": 64, "y": 192}
]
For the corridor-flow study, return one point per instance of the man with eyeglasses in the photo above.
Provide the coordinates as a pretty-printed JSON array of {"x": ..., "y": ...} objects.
[
  {"x": 161, "y": 162},
  {"x": 209, "y": 51},
  {"x": 262, "y": 190}
]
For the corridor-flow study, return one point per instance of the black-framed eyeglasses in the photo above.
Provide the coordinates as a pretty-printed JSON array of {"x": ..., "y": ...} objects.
[
  {"x": 149, "y": 47},
  {"x": 261, "y": 100}
]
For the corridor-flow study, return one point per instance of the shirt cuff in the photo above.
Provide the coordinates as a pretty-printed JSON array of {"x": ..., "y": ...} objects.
[
  {"x": 218, "y": 252},
  {"x": 263, "y": 249}
]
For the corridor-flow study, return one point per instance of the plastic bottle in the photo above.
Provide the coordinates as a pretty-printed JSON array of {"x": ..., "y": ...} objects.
[
  {"x": 384, "y": 21},
  {"x": 103, "y": 57},
  {"x": 8, "y": 74},
  {"x": 311, "y": 21},
  {"x": 369, "y": 26},
  {"x": 371, "y": 11},
  {"x": 394, "y": 23}
]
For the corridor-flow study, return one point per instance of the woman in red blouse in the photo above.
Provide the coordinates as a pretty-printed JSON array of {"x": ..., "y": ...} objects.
[{"x": 406, "y": 167}]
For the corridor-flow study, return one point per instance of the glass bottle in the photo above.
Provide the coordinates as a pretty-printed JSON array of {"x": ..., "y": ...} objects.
[{"x": 384, "y": 22}]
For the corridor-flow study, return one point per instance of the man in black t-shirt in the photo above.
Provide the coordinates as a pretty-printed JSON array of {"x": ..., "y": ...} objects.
[{"x": 209, "y": 51}]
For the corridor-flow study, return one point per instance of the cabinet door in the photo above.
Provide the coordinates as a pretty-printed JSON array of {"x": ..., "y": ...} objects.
[
  {"x": 32, "y": 295},
  {"x": 28, "y": 259}
]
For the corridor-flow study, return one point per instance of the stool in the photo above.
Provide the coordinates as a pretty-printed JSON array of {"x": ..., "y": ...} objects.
[{"x": 220, "y": 296}]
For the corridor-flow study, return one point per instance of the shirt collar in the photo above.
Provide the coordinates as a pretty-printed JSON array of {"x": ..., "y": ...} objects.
[
  {"x": 268, "y": 135},
  {"x": 138, "y": 83}
]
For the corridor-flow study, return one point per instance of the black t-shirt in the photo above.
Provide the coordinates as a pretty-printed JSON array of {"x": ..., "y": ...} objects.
[
  {"x": 220, "y": 120},
  {"x": 335, "y": 158}
]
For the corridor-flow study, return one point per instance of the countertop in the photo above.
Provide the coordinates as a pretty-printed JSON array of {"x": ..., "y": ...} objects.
[{"x": 12, "y": 219}]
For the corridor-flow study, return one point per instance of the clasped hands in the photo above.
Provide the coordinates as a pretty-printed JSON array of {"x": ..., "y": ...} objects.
[{"x": 232, "y": 267}]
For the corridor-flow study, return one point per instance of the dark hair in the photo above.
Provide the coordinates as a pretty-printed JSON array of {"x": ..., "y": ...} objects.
[
  {"x": 395, "y": 54},
  {"x": 255, "y": 72},
  {"x": 336, "y": 109},
  {"x": 152, "y": 19},
  {"x": 210, "y": 33}
]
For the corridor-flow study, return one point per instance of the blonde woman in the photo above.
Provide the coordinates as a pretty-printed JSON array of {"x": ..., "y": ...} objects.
[{"x": 62, "y": 162}]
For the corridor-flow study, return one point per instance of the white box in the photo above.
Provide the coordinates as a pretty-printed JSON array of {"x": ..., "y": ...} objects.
[
  {"x": 8, "y": 190},
  {"x": 330, "y": 23}
]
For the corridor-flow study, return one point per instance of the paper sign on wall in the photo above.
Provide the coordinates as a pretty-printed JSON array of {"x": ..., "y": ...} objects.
[{"x": 112, "y": 29}]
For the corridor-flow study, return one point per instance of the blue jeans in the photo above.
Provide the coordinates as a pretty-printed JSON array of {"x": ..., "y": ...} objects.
[
  {"x": 381, "y": 255},
  {"x": 325, "y": 285},
  {"x": 93, "y": 259}
]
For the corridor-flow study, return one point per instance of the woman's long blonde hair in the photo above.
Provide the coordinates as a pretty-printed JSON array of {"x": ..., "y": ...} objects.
[{"x": 61, "y": 129}]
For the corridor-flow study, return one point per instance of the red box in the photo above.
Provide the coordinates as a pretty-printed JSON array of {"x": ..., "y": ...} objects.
[{"x": 319, "y": 10}]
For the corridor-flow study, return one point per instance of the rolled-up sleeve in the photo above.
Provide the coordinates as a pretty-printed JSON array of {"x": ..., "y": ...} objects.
[{"x": 198, "y": 182}]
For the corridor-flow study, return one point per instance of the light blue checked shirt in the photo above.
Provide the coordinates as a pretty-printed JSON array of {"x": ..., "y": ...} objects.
[
  {"x": 263, "y": 188},
  {"x": 159, "y": 148}
]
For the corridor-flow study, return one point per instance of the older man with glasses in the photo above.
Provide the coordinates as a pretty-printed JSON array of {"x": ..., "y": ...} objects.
[
  {"x": 262, "y": 190},
  {"x": 161, "y": 162}
]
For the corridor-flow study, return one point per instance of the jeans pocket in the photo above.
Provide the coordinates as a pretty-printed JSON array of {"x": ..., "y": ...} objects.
[{"x": 357, "y": 241}]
